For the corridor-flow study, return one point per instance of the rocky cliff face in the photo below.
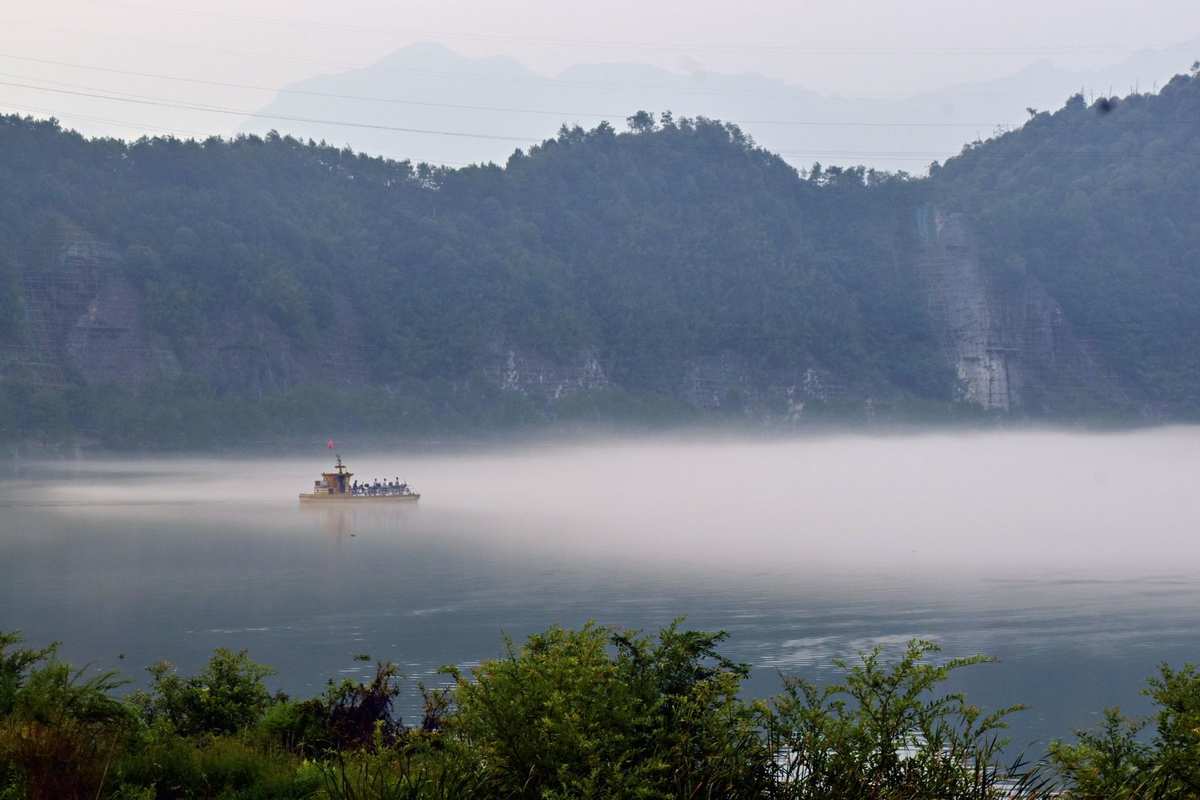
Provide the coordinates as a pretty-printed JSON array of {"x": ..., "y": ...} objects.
[
  {"x": 251, "y": 354},
  {"x": 84, "y": 322},
  {"x": 1005, "y": 338},
  {"x": 548, "y": 380},
  {"x": 726, "y": 383}
]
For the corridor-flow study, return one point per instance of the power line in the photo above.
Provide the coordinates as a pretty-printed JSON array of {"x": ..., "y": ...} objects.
[
  {"x": 260, "y": 115},
  {"x": 527, "y": 76},
  {"x": 333, "y": 95},
  {"x": 79, "y": 87},
  {"x": 464, "y": 106},
  {"x": 106, "y": 95},
  {"x": 864, "y": 124},
  {"x": 22, "y": 108},
  {"x": 26, "y": 109}
]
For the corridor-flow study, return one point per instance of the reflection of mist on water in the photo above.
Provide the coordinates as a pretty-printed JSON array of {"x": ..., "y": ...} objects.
[{"x": 1071, "y": 556}]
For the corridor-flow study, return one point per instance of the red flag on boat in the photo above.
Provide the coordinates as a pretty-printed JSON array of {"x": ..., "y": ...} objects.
[{"x": 329, "y": 444}]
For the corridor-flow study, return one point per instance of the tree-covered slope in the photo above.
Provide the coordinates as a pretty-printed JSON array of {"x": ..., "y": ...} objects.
[
  {"x": 1101, "y": 203},
  {"x": 645, "y": 253},
  {"x": 685, "y": 240},
  {"x": 166, "y": 290}
]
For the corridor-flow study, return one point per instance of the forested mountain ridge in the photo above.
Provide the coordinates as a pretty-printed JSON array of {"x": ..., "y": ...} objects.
[
  {"x": 1099, "y": 204},
  {"x": 172, "y": 292}
]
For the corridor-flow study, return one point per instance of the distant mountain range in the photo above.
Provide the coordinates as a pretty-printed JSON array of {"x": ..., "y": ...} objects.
[{"x": 433, "y": 88}]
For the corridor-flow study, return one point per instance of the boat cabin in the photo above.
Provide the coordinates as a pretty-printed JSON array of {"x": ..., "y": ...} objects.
[{"x": 337, "y": 482}]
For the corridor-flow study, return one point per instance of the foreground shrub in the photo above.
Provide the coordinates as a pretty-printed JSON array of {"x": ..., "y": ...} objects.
[
  {"x": 885, "y": 733},
  {"x": 350, "y": 715},
  {"x": 216, "y": 767},
  {"x": 566, "y": 716},
  {"x": 1106, "y": 764},
  {"x": 360, "y": 714},
  {"x": 60, "y": 731},
  {"x": 1113, "y": 763},
  {"x": 297, "y": 727},
  {"x": 224, "y": 697},
  {"x": 589, "y": 713},
  {"x": 417, "y": 768}
]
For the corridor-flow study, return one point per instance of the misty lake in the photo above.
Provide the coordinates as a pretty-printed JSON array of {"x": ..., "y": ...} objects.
[{"x": 1072, "y": 557}]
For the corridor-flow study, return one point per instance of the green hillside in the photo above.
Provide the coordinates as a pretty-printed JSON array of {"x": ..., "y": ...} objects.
[
  {"x": 1099, "y": 202},
  {"x": 691, "y": 272}
]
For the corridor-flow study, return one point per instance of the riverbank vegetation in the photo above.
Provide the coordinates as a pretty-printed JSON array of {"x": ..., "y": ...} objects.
[{"x": 588, "y": 713}]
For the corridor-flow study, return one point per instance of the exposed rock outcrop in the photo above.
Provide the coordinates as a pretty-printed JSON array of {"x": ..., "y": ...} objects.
[
  {"x": 725, "y": 382},
  {"x": 83, "y": 320},
  {"x": 515, "y": 370},
  {"x": 1007, "y": 339},
  {"x": 251, "y": 354}
]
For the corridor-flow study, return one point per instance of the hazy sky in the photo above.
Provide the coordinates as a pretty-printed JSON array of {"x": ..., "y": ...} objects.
[{"x": 855, "y": 47}]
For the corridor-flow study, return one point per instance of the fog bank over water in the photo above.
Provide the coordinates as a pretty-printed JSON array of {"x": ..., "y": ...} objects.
[
  {"x": 1071, "y": 557},
  {"x": 1005, "y": 504}
]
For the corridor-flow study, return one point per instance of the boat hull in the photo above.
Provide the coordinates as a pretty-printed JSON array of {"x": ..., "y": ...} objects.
[{"x": 336, "y": 499}]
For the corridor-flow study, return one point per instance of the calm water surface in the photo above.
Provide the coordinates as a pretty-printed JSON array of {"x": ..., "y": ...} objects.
[{"x": 1073, "y": 558}]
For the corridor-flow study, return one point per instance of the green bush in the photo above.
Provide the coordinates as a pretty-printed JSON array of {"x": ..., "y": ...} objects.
[
  {"x": 591, "y": 714},
  {"x": 886, "y": 733},
  {"x": 417, "y": 768},
  {"x": 169, "y": 766},
  {"x": 1106, "y": 764},
  {"x": 588, "y": 713},
  {"x": 60, "y": 731},
  {"x": 226, "y": 696},
  {"x": 1114, "y": 764},
  {"x": 348, "y": 716},
  {"x": 297, "y": 727}
]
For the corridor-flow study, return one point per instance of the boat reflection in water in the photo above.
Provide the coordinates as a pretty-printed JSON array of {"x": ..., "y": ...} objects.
[{"x": 343, "y": 520}]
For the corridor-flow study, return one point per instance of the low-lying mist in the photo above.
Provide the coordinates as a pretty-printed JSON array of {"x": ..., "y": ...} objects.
[{"x": 1005, "y": 504}]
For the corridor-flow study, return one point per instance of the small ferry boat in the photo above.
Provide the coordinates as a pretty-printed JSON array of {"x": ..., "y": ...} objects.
[{"x": 336, "y": 487}]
